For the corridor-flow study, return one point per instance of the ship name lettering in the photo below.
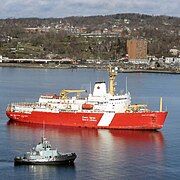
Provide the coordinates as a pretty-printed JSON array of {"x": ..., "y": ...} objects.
[{"x": 85, "y": 118}]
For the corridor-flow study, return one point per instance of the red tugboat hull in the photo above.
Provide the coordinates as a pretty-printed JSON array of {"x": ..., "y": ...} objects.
[{"x": 152, "y": 120}]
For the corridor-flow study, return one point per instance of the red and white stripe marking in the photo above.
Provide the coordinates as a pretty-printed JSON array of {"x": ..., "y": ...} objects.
[{"x": 106, "y": 119}]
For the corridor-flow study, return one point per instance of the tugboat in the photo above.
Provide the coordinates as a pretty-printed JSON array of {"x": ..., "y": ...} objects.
[{"x": 43, "y": 154}]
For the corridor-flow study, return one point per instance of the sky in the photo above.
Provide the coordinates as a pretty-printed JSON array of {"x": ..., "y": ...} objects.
[{"x": 64, "y": 8}]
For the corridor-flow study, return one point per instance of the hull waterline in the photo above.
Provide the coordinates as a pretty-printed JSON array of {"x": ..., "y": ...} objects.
[
  {"x": 18, "y": 162},
  {"x": 138, "y": 120}
]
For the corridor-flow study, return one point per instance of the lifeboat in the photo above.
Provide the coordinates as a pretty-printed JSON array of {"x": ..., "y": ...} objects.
[{"x": 87, "y": 106}]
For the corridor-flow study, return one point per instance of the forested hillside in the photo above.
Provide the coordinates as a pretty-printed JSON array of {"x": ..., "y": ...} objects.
[{"x": 93, "y": 37}]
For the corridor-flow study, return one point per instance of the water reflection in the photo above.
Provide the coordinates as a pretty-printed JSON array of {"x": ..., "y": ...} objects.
[
  {"x": 129, "y": 135},
  {"x": 109, "y": 139},
  {"x": 48, "y": 172}
]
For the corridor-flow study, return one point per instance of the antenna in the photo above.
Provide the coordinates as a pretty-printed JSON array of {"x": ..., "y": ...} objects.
[
  {"x": 126, "y": 85},
  {"x": 161, "y": 105},
  {"x": 43, "y": 128},
  {"x": 43, "y": 131},
  {"x": 90, "y": 88}
]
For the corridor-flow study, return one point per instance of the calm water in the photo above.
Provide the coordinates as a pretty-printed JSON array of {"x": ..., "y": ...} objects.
[{"x": 102, "y": 154}]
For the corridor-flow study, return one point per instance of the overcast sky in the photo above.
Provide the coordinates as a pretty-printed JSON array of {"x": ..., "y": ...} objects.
[{"x": 63, "y": 8}]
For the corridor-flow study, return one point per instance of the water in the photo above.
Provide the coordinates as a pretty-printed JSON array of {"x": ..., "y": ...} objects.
[{"x": 102, "y": 154}]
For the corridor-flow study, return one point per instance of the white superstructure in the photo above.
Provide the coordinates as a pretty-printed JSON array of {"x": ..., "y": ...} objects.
[{"x": 100, "y": 100}]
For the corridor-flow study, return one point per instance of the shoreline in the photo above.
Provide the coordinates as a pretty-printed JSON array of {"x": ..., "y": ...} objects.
[
  {"x": 70, "y": 66},
  {"x": 150, "y": 71},
  {"x": 51, "y": 66}
]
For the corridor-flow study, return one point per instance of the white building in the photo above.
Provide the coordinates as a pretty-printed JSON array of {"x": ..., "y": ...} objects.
[
  {"x": 174, "y": 52},
  {"x": 1, "y": 57}
]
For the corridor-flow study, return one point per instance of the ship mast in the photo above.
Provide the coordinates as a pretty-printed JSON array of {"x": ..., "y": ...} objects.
[
  {"x": 43, "y": 132},
  {"x": 112, "y": 76}
]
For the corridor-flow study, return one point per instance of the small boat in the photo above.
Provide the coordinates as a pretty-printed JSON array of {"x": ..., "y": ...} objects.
[{"x": 43, "y": 154}]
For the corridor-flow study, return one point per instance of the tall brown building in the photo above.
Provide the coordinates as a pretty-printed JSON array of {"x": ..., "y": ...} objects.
[{"x": 137, "y": 49}]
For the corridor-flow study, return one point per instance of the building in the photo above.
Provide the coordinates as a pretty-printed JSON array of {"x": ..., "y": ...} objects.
[
  {"x": 174, "y": 52},
  {"x": 1, "y": 58},
  {"x": 137, "y": 49}
]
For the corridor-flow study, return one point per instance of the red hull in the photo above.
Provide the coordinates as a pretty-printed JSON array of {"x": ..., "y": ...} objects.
[{"x": 138, "y": 120}]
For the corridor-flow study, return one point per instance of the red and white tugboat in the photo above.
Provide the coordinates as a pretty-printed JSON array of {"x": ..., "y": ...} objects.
[{"x": 101, "y": 109}]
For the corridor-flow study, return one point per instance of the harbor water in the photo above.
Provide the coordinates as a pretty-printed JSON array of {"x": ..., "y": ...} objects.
[{"x": 102, "y": 154}]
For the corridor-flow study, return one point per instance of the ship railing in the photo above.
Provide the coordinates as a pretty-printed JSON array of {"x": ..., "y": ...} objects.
[
  {"x": 28, "y": 107},
  {"x": 36, "y": 104},
  {"x": 23, "y": 104}
]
